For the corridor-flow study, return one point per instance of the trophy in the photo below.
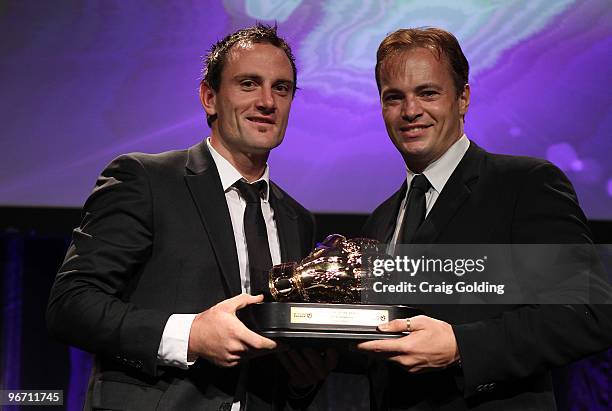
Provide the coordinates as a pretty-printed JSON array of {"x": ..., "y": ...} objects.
[{"x": 321, "y": 297}]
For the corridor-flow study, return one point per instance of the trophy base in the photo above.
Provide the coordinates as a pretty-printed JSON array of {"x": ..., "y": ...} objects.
[{"x": 322, "y": 322}]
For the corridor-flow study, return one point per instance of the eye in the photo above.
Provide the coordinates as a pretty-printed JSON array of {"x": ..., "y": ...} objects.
[
  {"x": 282, "y": 88},
  {"x": 429, "y": 93},
  {"x": 248, "y": 84},
  {"x": 392, "y": 98}
]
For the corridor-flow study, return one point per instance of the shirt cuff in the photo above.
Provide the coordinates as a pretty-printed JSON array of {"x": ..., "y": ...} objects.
[{"x": 175, "y": 341}]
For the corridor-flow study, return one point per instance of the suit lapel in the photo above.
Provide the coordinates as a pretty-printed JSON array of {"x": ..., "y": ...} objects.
[
  {"x": 204, "y": 183},
  {"x": 286, "y": 226},
  {"x": 455, "y": 192}
]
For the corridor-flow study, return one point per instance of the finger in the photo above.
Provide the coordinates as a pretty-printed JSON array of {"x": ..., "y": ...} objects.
[
  {"x": 227, "y": 360},
  {"x": 259, "y": 343},
  {"x": 409, "y": 363},
  {"x": 372, "y": 346},
  {"x": 230, "y": 363},
  {"x": 395, "y": 345},
  {"x": 395, "y": 326},
  {"x": 240, "y": 301},
  {"x": 232, "y": 357},
  {"x": 420, "y": 322},
  {"x": 259, "y": 298},
  {"x": 253, "y": 340},
  {"x": 411, "y": 324}
]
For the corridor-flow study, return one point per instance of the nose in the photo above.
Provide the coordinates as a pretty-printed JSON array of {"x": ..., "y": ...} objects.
[
  {"x": 265, "y": 102},
  {"x": 411, "y": 109}
]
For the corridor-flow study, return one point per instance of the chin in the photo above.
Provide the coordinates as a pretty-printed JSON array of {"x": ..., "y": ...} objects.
[
  {"x": 413, "y": 148},
  {"x": 264, "y": 145}
]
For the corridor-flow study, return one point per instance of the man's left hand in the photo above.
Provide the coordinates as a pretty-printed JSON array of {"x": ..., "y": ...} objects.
[{"x": 430, "y": 345}]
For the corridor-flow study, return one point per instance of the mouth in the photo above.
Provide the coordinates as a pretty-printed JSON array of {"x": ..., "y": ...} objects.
[
  {"x": 261, "y": 120},
  {"x": 414, "y": 130}
]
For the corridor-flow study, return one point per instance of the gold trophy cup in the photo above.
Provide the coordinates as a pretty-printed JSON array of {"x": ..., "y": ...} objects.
[{"x": 321, "y": 297}]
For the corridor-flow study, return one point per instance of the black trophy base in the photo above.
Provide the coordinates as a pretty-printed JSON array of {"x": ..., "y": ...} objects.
[{"x": 322, "y": 322}]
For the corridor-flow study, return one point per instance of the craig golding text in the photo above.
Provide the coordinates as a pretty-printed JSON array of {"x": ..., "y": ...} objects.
[{"x": 441, "y": 288}]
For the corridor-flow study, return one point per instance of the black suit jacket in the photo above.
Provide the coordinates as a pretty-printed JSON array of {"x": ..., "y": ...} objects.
[
  {"x": 506, "y": 351},
  {"x": 156, "y": 239}
]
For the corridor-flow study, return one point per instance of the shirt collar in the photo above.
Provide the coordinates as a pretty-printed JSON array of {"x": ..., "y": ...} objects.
[
  {"x": 440, "y": 170},
  {"x": 229, "y": 175}
]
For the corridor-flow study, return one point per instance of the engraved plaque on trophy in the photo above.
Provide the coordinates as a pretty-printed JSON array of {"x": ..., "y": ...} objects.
[{"x": 321, "y": 296}]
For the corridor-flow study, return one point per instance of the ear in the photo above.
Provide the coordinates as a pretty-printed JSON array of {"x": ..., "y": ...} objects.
[
  {"x": 208, "y": 99},
  {"x": 464, "y": 100}
]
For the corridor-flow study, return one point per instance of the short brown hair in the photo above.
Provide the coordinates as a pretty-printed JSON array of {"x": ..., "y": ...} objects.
[
  {"x": 437, "y": 40},
  {"x": 217, "y": 56}
]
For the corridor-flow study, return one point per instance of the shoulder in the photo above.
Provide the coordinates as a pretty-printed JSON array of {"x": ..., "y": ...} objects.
[
  {"x": 514, "y": 164},
  {"x": 509, "y": 172},
  {"x": 174, "y": 159},
  {"x": 145, "y": 168},
  {"x": 545, "y": 205},
  {"x": 135, "y": 173},
  {"x": 527, "y": 173}
]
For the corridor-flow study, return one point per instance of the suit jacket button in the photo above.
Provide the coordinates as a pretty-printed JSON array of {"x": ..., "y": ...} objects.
[{"x": 480, "y": 388}]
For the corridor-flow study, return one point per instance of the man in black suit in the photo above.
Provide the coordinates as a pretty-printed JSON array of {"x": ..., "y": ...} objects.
[
  {"x": 481, "y": 357},
  {"x": 172, "y": 244}
]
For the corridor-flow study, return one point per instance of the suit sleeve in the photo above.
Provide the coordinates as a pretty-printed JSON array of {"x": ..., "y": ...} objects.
[
  {"x": 89, "y": 302},
  {"x": 533, "y": 339}
]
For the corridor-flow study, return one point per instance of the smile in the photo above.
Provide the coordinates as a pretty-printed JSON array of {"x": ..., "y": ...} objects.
[
  {"x": 414, "y": 130},
  {"x": 261, "y": 120}
]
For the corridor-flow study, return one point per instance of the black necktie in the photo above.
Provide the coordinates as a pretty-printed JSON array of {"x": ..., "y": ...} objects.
[
  {"x": 414, "y": 213},
  {"x": 256, "y": 235}
]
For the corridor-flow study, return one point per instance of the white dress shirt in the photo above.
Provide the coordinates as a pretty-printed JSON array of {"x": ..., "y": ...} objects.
[{"x": 438, "y": 174}]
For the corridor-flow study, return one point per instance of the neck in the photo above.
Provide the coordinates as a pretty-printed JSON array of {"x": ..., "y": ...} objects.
[
  {"x": 250, "y": 165},
  {"x": 415, "y": 167}
]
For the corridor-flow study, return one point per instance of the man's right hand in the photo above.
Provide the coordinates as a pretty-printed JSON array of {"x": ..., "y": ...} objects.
[{"x": 218, "y": 336}]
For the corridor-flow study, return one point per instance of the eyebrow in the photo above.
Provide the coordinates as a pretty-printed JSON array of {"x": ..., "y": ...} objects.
[
  {"x": 418, "y": 88},
  {"x": 425, "y": 86},
  {"x": 392, "y": 91}
]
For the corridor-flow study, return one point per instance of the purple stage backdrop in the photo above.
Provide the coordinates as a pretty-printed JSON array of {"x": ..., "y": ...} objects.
[{"x": 82, "y": 82}]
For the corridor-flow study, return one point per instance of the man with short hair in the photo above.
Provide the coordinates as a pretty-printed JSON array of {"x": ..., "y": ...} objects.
[
  {"x": 172, "y": 245},
  {"x": 484, "y": 357}
]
